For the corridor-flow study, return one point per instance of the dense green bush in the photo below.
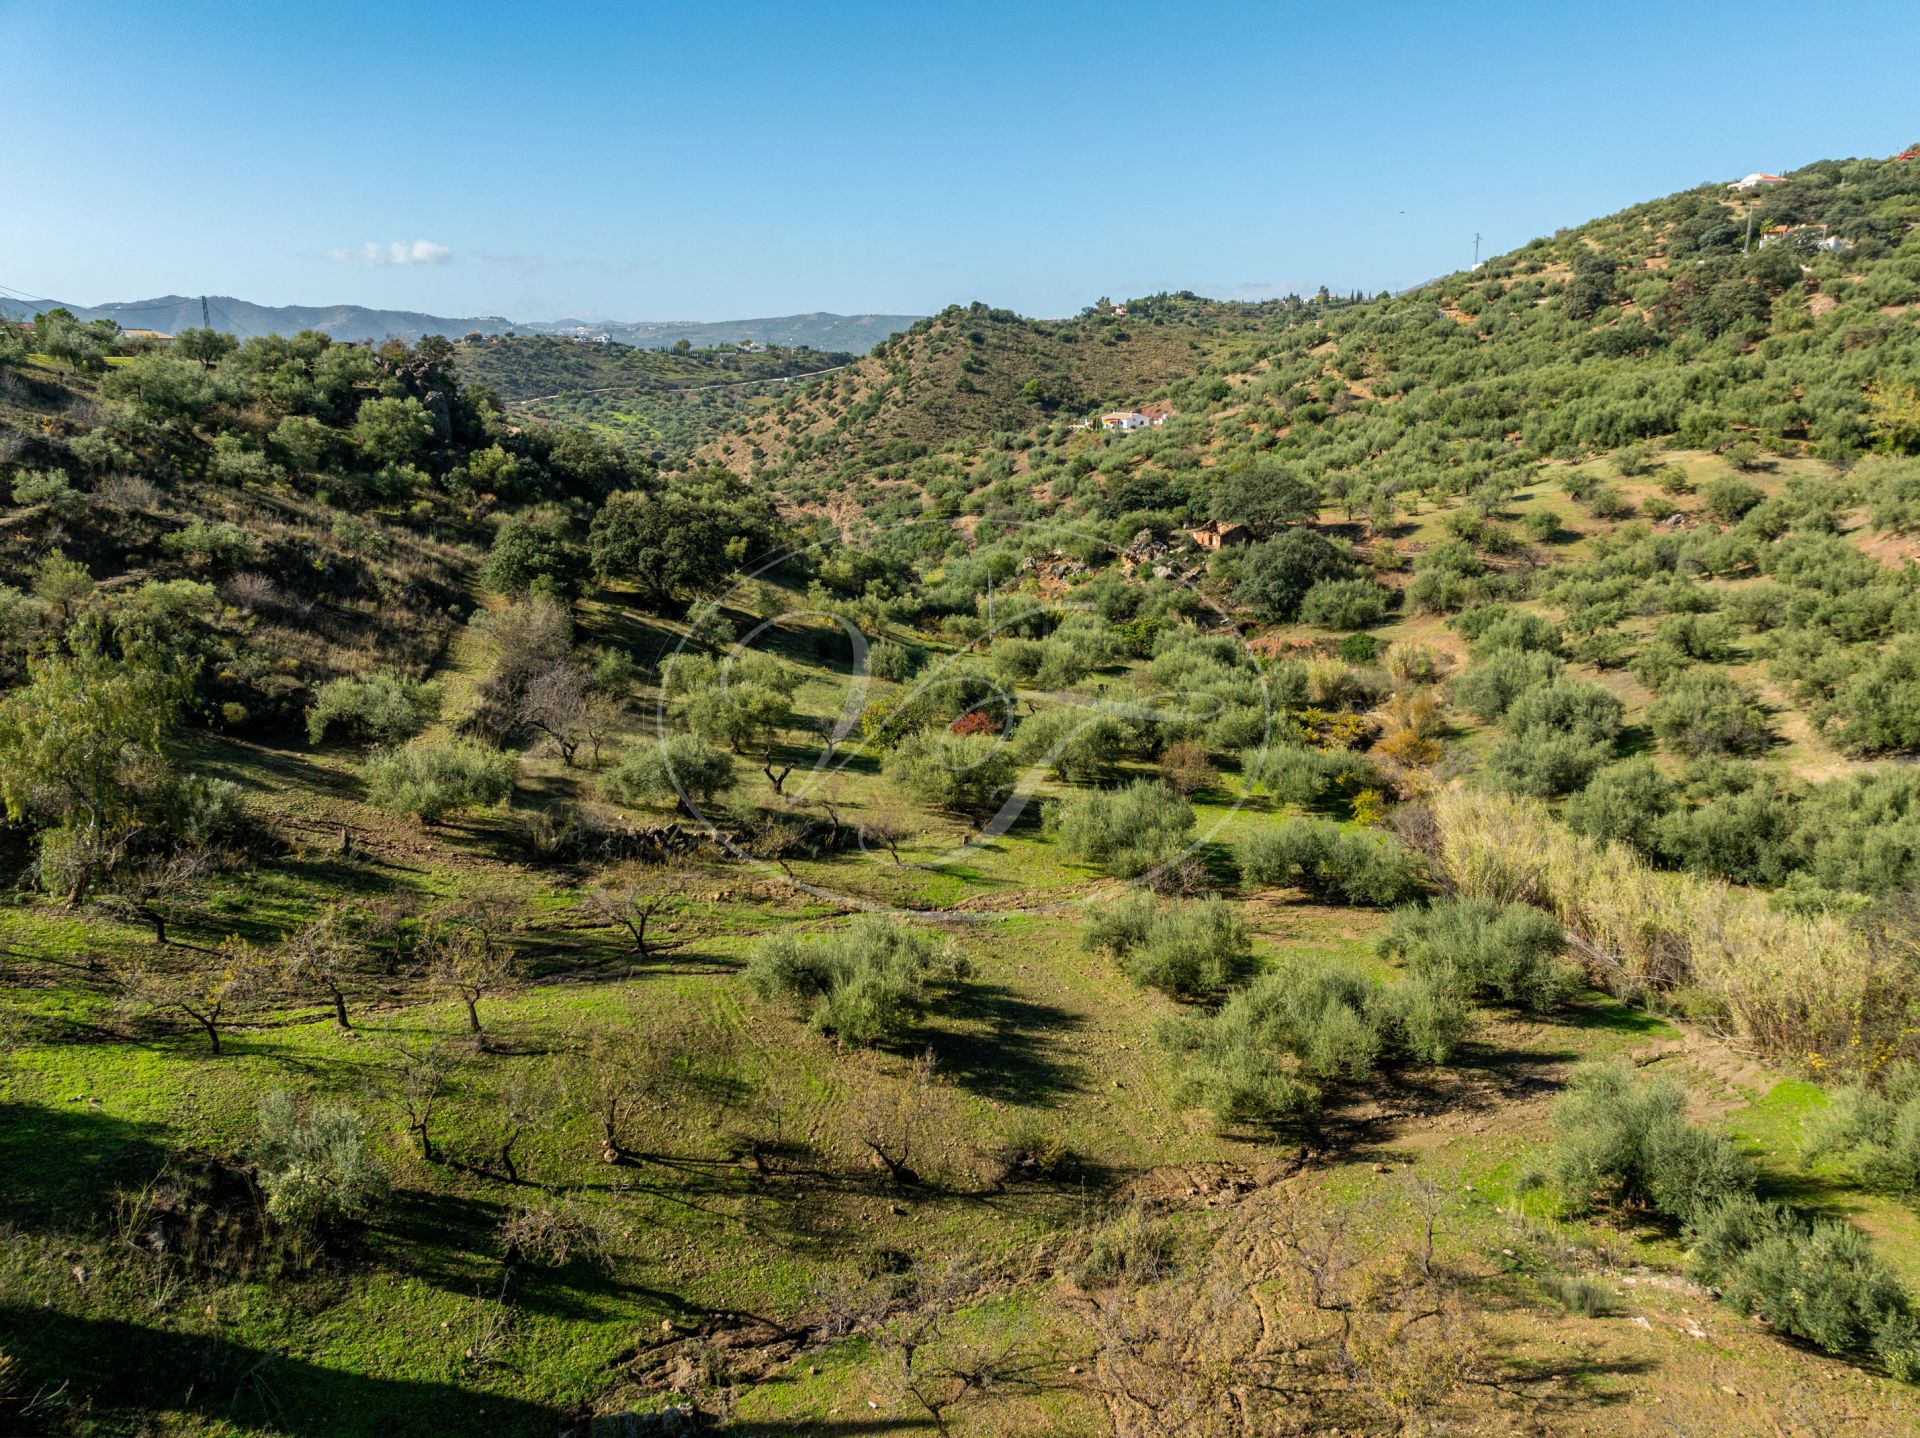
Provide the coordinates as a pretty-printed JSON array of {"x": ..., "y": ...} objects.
[
  {"x": 1557, "y": 735},
  {"x": 1301, "y": 774},
  {"x": 1358, "y": 866},
  {"x": 315, "y": 1163},
  {"x": 1344, "y": 604},
  {"x": 1709, "y": 713},
  {"x": 1488, "y": 687},
  {"x": 1623, "y": 801},
  {"x": 379, "y": 709},
  {"x": 431, "y": 781},
  {"x": 1815, "y": 1280},
  {"x": 1263, "y": 1058},
  {"x": 660, "y": 773},
  {"x": 1124, "y": 831},
  {"x": 1507, "y": 952},
  {"x": 1618, "y": 1142},
  {"x": 1077, "y": 744},
  {"x": 967, "y": 773},
  {"x": 865, "y": 984},
  {"x": 1727, "y": 498},
  {"x": 535, "y": 553},
  {"x": 896, "y": 662},
  {"x": 1277, "y": 575},
  {"x": 1186, "y": 950}
]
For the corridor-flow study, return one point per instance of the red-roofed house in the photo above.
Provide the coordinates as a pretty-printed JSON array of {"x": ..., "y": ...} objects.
[{"x": 1755, "y": 180}]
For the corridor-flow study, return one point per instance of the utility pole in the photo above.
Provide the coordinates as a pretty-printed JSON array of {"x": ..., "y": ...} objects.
[
  {"x": 1476, "y": 249},
  {"x": 206, "y": 321}
]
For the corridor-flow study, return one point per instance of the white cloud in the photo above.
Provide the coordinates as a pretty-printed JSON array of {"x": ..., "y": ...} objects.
[{"x": 399, "y": 252}]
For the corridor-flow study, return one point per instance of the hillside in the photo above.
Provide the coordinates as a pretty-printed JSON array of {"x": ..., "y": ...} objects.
[
  {"x": 895, "y": 935},
  {"x": 661, "y": 401},
  {"x": 170, "y": 314},
  {"x": 854, "y": 334},
  {"x": 971, "y": 372}
]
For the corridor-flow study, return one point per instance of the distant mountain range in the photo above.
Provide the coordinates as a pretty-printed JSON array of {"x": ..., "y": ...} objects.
[{"x": 172, "y": 313}]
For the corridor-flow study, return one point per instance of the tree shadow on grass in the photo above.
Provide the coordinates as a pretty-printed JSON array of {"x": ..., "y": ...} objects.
[
  {"x": 109, "y": 1366},
  {"x": 1015, "y": 1059},
  {"x": 452, "y": 1243},
  {"x": 267, "y": 770},
  {"x": 59, "y": 1162}
]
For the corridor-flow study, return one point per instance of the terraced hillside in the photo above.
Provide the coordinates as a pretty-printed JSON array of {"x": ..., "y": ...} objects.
[
  {"x": 968, "y": 373},
  {"x": 663, "y": 402}
]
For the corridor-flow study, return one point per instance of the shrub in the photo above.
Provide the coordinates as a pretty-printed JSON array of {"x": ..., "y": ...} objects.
[
  {"x": 1344, "y": 604},
  {"x": 1583, "y": 1296},
  {"x": 1124, "y": 831},
  {"x": 431, "y": 781},
  {"x": 1727, "y": 498},
  {"x": 1623, "y": 1143},
  {"x": 1818, "y": 1281},
  {"x": 1410, "y": 663},
  {"x": 1263, "y": 1058},
  {"x": 1077, "y": 744},
  {"x": 1558, "y": 734},
  {"x": 970, "y": 774},
  {"x": 1359, "y": 648},
  {"x": 535, "y": 553},
  {"x": 1325, "y": 858},
  {"x": 1707, "y": 637},
  {"x": 1299, "y": 774},
  {"x": 1709, "y": 714},
  {"x": 1277, "y": 575},
  {"x": 1185, "y": 767},
  {"x": 1509, "y": 952},
  {"x": 865, "y": 984},
  {"x": 1875, "y": 1133},
  {"x": 896, "y": 662},
  {"x": 1541, "y": 525},
  {"x": 1185, "y": 950},
  {"x": 1500, "y": 628},
  {"x": 1544, "y": 764},
  {"x": 1489, "y": 686},
  {"x": 660, "y": 773},
  {"x": 1606, "y": 502},
  {"x": 1132, "y": 1248},
  {"x": 314, "y": 1163},
  {"x": 212, "y": 545},
  {"x": 380, "y": 709},
  {"x": 1624, "y": 801}
]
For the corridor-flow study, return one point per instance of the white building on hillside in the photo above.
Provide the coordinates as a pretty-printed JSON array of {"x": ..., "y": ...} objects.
[{"x": 1756, "y": 180}]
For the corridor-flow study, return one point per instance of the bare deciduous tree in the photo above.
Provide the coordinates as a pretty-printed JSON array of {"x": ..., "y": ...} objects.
[
  {"x": 323, "y": 955},
  {"x": 928, "y": 1365},
  {"x": 469, "y": 955},
  {"x": 1287, "y": 1323},
  {"x": 212, "y": 991},
  {"x": 890, "y": 1121},
  {"x": 424, "y": 1071},
  {"x": 156, "y": 891},
  {"x": 886, "y": 832},
  {"x": 631, "y": 908}
]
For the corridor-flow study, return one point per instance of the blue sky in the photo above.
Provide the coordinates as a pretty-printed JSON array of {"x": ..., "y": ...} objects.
[{"x": 708, "y": 161}]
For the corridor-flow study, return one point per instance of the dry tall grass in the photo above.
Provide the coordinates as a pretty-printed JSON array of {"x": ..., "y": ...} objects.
[{"x": 1811, "y": 989}]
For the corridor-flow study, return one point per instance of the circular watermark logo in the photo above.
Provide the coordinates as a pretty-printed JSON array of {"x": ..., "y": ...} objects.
[{"x": 1007, "y": 738}]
